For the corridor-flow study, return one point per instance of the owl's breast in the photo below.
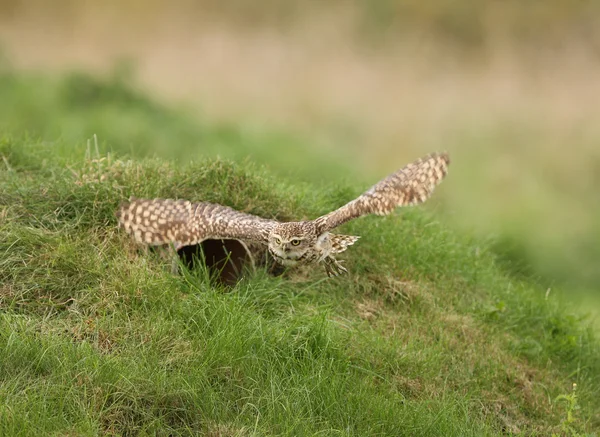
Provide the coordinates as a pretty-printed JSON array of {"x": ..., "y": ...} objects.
[{"x": 323, "y": 246}]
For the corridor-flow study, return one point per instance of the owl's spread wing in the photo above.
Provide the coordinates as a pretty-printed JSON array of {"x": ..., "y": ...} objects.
[
  {"x": 162, "y": 221},
  {"x": 411, "y": 185}
]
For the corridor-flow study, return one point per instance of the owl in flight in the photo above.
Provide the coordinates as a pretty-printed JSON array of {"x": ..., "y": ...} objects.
[{"x": 183, "y": 223}]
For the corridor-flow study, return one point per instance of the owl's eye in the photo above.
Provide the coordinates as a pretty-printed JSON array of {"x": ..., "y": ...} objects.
[
  {"x": 295, "y": 242},
  {"x": 278, "y": 240}
]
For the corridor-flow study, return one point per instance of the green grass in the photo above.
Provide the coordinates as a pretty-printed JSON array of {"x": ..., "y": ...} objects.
[{"x": 428, "y": 335}]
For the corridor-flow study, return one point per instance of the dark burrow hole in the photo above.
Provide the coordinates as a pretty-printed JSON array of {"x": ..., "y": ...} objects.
[{"x": 228, "y": 260}]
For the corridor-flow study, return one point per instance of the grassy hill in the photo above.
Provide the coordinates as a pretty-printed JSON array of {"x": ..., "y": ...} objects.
[{"x": 427, "y": 335}]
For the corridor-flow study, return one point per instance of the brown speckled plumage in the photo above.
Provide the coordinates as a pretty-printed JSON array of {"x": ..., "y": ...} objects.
[
  {"x": 410, "y": 185},
  {"x": 183, "y": 223},
  {"x": 162, "y": 221}
]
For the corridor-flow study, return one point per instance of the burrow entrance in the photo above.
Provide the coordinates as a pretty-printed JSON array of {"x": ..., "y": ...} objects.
[{"x": 227, "y": 260}]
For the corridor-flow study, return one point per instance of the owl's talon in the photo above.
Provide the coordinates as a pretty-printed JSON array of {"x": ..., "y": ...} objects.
[{"x": 333, "y": 267}]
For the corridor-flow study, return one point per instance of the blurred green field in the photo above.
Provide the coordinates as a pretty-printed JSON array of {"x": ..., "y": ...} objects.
[
  {"x": 467, "y": 24},
  {"x": 470, "y": 315},
  {"x": 431, "y": 333}
]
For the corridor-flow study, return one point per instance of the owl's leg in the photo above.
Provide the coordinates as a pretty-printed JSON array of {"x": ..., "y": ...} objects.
[
  {"x": 175, "y": 265},
  {"x": 167, "y": 252},
  {"x": 172, "y": 250},
  {"x": 333, "y": 267}
]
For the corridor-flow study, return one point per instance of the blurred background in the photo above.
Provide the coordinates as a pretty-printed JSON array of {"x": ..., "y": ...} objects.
[{"x": 344, "y": 89}]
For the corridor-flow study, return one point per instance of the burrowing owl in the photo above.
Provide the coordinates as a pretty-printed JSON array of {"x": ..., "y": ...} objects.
[{"x": 183, "y": 223}]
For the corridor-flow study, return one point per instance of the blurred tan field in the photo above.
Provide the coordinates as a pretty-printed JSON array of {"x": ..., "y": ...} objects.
[{"x": 511, "y": 90}]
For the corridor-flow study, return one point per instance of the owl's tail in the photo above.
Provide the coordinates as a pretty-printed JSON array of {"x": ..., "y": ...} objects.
[{"x": 340, "y": 243}]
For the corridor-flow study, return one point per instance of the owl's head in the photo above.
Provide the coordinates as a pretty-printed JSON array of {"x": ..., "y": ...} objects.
[{"x": 289, "y": 242}]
